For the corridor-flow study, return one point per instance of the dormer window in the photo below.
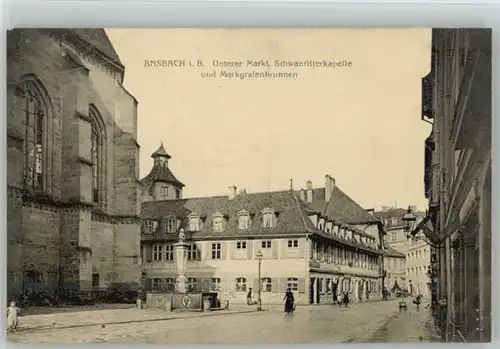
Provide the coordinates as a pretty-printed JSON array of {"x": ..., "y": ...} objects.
[
  {"x": 363, "y": 239},
  {"x": 171, "y": 225},
  {"x": 329, "y": 227},
  {"x": 243, "y": 220},
  {"x": 314, "y": 219},
  {"x": 149, "y": 226},
  {"x": 321, "y": 224},
  {"x": 218, "y": 222},
  {"x": 268, "y": 218},
  {"x": 335, "y": 230},
  {"x": 194, "y": 223}
]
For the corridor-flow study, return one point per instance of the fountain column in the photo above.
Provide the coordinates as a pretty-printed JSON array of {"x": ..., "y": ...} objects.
[{"x": 180, "y": 250}]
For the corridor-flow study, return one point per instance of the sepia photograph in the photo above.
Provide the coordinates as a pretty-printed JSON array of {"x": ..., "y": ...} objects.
[{"x": 249, "y": 186}]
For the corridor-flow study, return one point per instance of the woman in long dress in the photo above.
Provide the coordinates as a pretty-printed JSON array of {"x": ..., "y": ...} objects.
[{"x": 289, "y": 300}]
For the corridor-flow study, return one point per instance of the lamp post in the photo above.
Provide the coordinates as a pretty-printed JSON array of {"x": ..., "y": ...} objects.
[
  {"x": 408, "y": 221},
  {"x": 259, "y": 299}
]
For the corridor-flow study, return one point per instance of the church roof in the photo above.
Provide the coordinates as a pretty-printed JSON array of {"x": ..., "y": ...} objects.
[
  {"x": 98, "y": 38},
  {"x": 390, "y": 252}
]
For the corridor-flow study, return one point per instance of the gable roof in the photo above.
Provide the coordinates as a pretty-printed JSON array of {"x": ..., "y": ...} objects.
[
  {"x": 341, "y": 207},
  {"x": 390, "y": 252}
]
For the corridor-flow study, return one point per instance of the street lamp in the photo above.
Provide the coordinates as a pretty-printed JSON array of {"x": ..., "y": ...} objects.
[
  {"x": 259, "y": 299},
  {"x": 408, "y": 221}
]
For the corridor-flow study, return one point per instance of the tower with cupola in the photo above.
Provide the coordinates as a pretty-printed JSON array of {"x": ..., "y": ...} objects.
[{"x": 161, "y": 184}]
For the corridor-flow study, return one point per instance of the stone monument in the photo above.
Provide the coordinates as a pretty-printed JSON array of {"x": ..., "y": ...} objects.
[
  {"x": 180, "y": 249},
  {"x": 181, "y": 298}
]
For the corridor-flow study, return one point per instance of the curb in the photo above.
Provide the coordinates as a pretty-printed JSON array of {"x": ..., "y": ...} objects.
[{"x": 36, "y": 329}]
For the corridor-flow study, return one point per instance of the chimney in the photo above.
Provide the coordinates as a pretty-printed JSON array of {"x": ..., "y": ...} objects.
[
  {"x": 302, "y": 194},
  {"x": 329, "y": 185},
  {"x": 309, "y": 192},
  {"x": 232, "y": 192}
]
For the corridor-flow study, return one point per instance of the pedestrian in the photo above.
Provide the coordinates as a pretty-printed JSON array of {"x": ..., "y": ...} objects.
[
  {"x": 249, "y": 297},
  {"x": 12, "y": 320},
  {"x": 289, "y": 301},
  {"x": 346, "y": 298},
  {"x": 339, "y": 299}
]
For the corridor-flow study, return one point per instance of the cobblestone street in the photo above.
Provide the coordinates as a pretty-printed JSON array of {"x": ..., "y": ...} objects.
[
  {"x": 408, "y": 326},
  {"x": 318, "y": 324}
]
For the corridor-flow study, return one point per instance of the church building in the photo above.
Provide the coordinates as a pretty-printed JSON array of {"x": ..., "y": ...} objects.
[
  {"x": 72, "y": 166},
  {"x": 316, "y": 241}
]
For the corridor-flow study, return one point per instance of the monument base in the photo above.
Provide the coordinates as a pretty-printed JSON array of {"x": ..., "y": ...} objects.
[{"x": 176, "y": 301}]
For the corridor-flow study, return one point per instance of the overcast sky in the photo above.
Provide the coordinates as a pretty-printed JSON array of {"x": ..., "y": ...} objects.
[{"x": 360, "y": 124}]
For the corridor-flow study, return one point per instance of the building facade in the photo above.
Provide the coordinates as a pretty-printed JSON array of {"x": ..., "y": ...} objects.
[
  {"x": 395, "y": 269},
  {"x": 457, "y": 102},
  {"x": 309, "y": 240},
  {"x": 415, "y": 248},
  {"x": 418, "y": 259},
  {"x": 73, "y": 205}
]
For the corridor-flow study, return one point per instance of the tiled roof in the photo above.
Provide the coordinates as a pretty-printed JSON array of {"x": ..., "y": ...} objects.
[
  {"x": 341, "y": 207},
  {"x": 99, "y": 40},
  {"x": 291, "y": 210},
  {"x": 161, "y": 173},
  {"x": 390, "y": 252},
  {"x": 160, "y": 152},
  {"x": 291, "y": 219}
]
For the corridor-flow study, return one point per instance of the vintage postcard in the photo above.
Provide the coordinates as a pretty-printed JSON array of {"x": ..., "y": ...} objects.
[{"x": 248, "y": 185}]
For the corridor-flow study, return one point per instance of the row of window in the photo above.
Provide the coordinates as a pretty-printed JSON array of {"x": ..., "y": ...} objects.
[
  {"x": 416, "y": 271},
  {"x": 343, "y": 232},
  {"x": 337, "y": 254},
  {"x": 165, "y": 252},
  {"x": 33, "y": 107},
  {"x": 417, "y": 254},
  {"x": 214, "y": 284},
  {"x": 219, "y": 222},
  {"x": 394, "y": 263}
]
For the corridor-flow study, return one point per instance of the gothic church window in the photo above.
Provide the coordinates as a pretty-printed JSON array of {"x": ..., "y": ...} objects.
[
  {"x": 34, "y": 113},
  {"x": 97, "y": 154}
]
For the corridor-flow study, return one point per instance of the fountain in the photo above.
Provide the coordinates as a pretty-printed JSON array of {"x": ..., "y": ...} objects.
[{"x": 181, "y": 298}]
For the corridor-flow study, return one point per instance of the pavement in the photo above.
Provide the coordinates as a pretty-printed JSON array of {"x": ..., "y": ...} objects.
[
  {"x": 63, "y": 320},
  {"x": 408, "y": 326},
  {"x": 310, "y": 324}
]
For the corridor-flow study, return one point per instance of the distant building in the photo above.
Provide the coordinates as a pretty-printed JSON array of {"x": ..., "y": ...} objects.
[
  {"x": 395, "y": 268},
  {"x": 73, "y": 207},
  {"x": 416, "y": 250},
  {"x": 316, "y": 241}
]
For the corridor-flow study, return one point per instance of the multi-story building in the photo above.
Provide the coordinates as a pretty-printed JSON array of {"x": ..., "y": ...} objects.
[
  {"x": 418, "y": 258},
  {"x": 395, "y": 269},
  {"x": 457, "y": 102},
  {"x": 316, "y": 241},
  {"x": 414, "y": 248},
  {"x": 72, "y": 165}
]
